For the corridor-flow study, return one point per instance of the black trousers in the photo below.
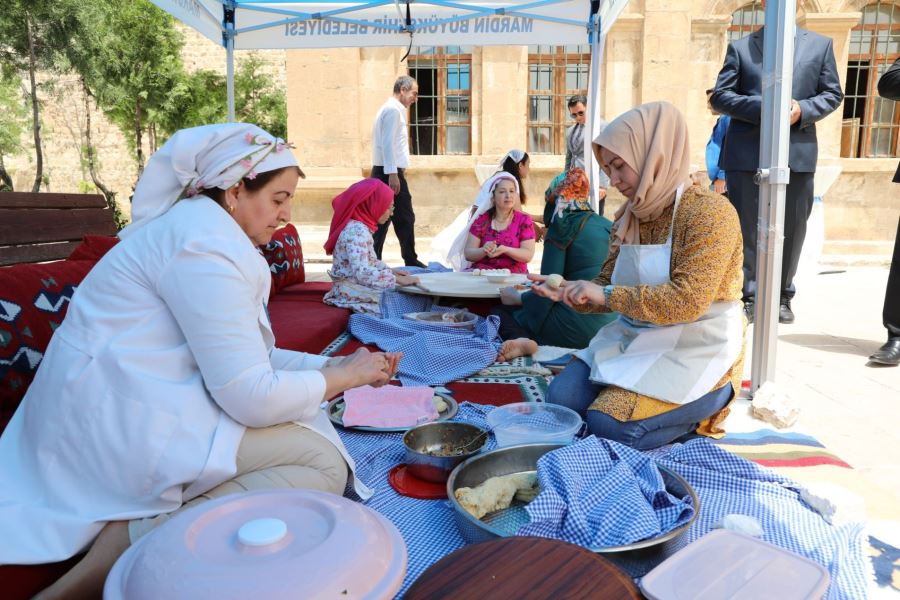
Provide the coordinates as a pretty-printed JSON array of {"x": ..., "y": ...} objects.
[
  {"x": 404, "y": 220},
  {"x": 891, "y": 314},
  {"x": 744, "y": 195}
]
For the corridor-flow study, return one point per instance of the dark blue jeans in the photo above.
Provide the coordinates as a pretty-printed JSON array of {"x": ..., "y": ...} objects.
[{"x": 573, "y": 389}]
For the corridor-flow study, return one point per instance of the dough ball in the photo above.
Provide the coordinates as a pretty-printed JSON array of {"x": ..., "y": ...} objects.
[
  {"x": 554, "y": 280},
  {"x": 440, "y": 404}
]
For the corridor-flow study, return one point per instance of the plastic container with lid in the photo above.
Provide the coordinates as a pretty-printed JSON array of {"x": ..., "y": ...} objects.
[
  {"x": 533, "y": 423},
  {"x": 266, "y": 544},
  {"x": 727, "y": 564}
]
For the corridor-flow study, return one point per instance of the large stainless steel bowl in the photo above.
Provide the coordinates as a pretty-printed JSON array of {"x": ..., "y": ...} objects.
[
  {"x": 425, "y": 443},
  {"x": 504, "y": 523}
]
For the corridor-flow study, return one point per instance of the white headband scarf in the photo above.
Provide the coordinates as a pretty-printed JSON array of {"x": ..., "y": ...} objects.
[
  {"x": 457, "y": 254},
  {"x": 209, "y": 156},
  {"x": 516, "y": 155}
]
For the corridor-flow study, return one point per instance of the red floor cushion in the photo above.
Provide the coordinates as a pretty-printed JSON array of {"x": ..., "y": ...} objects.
[
  {"x": 302, "y": 322},
  {"x": 34, "y": 299}
]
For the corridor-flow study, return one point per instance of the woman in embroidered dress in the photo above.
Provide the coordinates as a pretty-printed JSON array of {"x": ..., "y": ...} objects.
[
  {"x": 358, "y": 276},
  {"x": 672, "y": 362},
  {"x": 162, "y": 387},
  {"x": 502, "y": 237}
]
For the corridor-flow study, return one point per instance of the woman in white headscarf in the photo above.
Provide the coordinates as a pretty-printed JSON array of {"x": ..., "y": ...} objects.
[
  {"x": 162, "y": 388},
  {"x": 513, "y": 164}
]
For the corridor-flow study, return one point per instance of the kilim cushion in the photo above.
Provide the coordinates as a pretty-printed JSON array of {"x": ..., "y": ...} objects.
[
  {"x": 34, "y": 299},
  {"x": 285, "y": 257},
  {"x": 93, "y": 247}
]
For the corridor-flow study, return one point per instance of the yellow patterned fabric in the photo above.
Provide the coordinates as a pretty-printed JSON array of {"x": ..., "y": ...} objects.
[{"x": 707, "y": 260}]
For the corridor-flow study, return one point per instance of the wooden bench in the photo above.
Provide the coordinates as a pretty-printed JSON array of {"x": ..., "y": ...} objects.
[{"x": 44, "y": 227}]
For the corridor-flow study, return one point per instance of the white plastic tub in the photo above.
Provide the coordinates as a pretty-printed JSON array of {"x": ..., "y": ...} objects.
[{"x": 533, "y": 423}]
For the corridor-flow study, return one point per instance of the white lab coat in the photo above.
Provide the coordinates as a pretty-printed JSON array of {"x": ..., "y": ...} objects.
[{"x": 165, "y": 356}]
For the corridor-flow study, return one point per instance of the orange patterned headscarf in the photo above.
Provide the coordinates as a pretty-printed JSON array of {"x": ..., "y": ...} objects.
[{"x": 652, "y": 139}]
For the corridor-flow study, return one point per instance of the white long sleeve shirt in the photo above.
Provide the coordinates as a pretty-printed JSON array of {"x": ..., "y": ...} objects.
[
  {"x": 390, "y": 145},
  {"x": 166, "y": 355}
]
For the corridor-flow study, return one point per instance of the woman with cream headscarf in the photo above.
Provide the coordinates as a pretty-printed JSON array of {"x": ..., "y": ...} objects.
[
  {"x": 162, "y": 387},
  {"x": 671, "y": 363}
]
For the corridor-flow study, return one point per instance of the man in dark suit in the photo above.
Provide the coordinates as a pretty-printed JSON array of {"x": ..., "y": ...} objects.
[
  {"x": 816, "y": 90},
  {"x": 889, "y": 353}
]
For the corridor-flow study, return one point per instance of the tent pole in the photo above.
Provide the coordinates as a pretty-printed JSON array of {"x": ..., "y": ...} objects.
[
  {"x": 773, "y": 175},
  {"x": 228, "y": 38},
  {"x": 594, "y": 105}
]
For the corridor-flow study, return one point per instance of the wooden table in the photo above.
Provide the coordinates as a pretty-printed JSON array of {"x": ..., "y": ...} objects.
[
  {"x": 460, "y": 285},
  {"x": 523, "y": 568}
]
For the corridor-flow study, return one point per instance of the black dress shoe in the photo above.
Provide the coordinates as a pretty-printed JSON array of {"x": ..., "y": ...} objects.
[
  {"x": 889, "y": 354},
  {"x": 417, "y": 263},
  {"x": 785, "y": 314},
  {"x": 748, "y": 312}
]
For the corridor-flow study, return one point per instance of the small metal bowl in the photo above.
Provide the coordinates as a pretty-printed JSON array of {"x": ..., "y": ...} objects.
[
  {"x": 636, "y": 557},
  {"x": 425, "y": 441}
]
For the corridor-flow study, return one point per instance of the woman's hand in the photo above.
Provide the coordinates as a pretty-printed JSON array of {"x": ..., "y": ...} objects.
[
  {"x": 399, "y": 271},
  {"x": 360, "y": 368},
  {"x": 510, "y": 296},
  {"x": 488, "y": 248},
  {"x": 406, "y": 280},
  {"x": 496, "y": 251},
  {"x": 577, "y": 293},
  {"x": 539, "y": 232},
  {"x": 545, "y": 291}
]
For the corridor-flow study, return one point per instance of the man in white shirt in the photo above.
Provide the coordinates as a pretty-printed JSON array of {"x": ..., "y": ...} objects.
[{"x": 390, "y": 158}]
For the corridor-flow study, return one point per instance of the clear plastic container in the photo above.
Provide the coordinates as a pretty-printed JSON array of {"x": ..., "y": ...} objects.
[
  {"x": 533, "y": 423},
  {"x": 727, "y": 564}
]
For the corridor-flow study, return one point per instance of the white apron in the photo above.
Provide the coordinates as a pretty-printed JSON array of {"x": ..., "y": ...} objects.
[{"x": 675, "y": 363}]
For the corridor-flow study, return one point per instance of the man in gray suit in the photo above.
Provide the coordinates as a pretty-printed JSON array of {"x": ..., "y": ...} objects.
[{"x": 816, "y": 90}]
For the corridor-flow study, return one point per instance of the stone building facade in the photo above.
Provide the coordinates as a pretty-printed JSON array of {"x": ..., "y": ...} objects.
[
  {"x": 497, "y": 97},
  {"x": 657, "y": 50}
]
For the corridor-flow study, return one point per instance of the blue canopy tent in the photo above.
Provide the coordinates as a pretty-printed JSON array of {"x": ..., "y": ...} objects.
[{"x": 268, "y": 24}]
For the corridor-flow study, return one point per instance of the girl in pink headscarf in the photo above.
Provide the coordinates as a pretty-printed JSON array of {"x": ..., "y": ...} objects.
[{"x": 358, "y": 276}]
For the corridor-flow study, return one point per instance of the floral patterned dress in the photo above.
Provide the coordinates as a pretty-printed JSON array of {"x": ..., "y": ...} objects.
[
  {"x": 520, "y": 229},
  {"x": 357, "y": 276}
]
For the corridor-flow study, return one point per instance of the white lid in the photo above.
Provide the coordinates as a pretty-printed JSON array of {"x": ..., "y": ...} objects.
[
  {"x": 262, "y": 532},
  {"x": 727, "y": 564}
]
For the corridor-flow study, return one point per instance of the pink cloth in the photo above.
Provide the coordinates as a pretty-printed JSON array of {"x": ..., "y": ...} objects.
[
  {"x": 388, "y": 406},
  {"x": 364, "y": 201}
]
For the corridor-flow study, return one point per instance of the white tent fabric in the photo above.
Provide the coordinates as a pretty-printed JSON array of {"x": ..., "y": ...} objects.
[{"x": 322, "y": 24}]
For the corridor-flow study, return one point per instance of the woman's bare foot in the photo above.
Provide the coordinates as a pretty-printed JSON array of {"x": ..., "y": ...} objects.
[
  {"x": 86, "y": 579},
  {"x": 515, "y": 348}
]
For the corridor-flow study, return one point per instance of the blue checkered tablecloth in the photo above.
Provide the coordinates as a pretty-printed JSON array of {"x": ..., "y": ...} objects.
[
  {"x": 599, "y": 493},
  {"x": 724, "y": 482},
  {"x": 432, "y": 354}
]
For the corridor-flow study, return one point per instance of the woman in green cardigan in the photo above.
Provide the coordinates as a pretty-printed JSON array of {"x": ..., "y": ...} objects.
[{"x": 575, "y": 246}]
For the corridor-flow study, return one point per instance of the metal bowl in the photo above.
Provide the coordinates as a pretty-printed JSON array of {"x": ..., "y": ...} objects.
[
  {"x": 504, "y": 523},
  {"x": 424, "y": 441}
]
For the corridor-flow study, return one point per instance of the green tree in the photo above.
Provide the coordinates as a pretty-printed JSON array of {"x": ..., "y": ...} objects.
[
  {"x": 33, "y": 34},
  {"x": 13, "y": 122},
  {"x": 130, "y": 60},
  {"x": 200, "y": 98}
]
